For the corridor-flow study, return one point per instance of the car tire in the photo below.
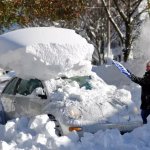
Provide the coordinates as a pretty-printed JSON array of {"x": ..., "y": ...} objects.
[{"x": 58, "y": 129}]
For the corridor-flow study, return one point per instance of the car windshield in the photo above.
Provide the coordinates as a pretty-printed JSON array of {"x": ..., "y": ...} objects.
[{"x": 83, "y": 81}]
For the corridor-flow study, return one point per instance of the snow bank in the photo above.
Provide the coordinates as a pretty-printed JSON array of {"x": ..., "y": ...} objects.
[
  {"x": 111, "y": 75},
  {"x": 44, "y": 52},
  {"x": 39, "y": 133},
  {"x": 104, "y": 103}
]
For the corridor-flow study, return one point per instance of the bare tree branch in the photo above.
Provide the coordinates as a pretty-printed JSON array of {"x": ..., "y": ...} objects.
[
  {"x": 124, "y": 1},
  {"x": 137, "y": 3},
  {"x": 112, "y": 21},
  {"x": 144, "y": 10},
  {"x": 124, "y": 17}
]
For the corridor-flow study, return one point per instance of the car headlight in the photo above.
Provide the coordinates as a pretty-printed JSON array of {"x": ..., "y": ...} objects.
[{"x": 74, "y": 112}]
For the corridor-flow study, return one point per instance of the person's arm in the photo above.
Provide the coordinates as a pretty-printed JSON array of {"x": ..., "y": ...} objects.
[{"x": 140, "y": 80}]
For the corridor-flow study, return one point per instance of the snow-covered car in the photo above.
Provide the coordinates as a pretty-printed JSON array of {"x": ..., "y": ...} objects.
[
  {"x": 62, "y": 100},
  {"x": 29, "y": 98}
]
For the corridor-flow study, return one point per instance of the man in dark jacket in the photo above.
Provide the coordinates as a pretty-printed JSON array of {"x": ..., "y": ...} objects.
[{"x": 144, "y": 82}]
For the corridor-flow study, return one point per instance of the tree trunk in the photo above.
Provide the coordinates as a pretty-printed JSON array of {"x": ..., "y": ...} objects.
[{"x": 128, "y": 40}]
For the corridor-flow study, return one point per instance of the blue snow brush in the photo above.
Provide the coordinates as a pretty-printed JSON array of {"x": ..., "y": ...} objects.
[{"x": 121, "y": 68}]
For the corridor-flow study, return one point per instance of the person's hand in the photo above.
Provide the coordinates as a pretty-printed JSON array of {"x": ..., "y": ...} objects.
[
  {"x": 132, "y": 76},
  {"x": 126, "y": 72},
  {"x": 121, "y": 68}
]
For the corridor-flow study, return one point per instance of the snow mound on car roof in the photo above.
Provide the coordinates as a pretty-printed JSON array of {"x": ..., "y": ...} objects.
[{"x": 44, "y": 52}]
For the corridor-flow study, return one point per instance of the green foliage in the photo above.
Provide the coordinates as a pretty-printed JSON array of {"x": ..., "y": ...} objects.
[{"x": 25, "y": 12}]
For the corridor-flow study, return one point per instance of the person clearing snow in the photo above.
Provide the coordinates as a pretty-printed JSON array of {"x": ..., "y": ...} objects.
[{"x": 144, "y": 82}]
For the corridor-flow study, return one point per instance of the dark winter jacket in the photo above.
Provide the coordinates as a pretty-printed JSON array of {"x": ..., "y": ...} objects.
[{"x": 145, "y": 91}]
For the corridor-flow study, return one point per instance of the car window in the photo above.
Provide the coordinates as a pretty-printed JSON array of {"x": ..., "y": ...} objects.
[
  {"x": 10, "y": 87},
  {"x": 26, "y": 87}
]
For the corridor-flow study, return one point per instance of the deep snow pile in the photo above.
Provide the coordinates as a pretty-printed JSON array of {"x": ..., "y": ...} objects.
[
  {"x": 101, "y": 103},
  {"x": 38, "y": 133},
  {"x": 52, "y": 50}
]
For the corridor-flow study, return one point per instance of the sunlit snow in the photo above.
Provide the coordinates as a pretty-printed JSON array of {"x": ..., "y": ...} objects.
[{"x": 52, "y": 50}]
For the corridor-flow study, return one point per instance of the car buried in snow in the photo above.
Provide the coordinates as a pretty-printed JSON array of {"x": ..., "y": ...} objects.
[{"x": 55, "y": 98}]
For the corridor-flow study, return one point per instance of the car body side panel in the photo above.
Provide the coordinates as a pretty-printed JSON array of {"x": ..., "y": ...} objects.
[
  {"x": 28, "y": 106},
  {"x": 8, "y": 105}
]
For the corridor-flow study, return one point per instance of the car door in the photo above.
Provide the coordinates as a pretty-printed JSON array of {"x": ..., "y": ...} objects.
[
  {"x": 27, "y": 103},
  {"x": 7, "y": 98}
]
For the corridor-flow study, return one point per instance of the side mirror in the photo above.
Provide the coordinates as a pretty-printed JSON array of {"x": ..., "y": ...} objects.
[{"x": 40, "y": 93}]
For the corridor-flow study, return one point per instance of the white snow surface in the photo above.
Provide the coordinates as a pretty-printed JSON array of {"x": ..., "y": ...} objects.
[
  {"x": 38, "y": 133},
  {"x": 53, "y": 50}
]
